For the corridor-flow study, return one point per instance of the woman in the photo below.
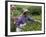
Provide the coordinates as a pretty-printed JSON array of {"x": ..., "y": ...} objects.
[{"x": 21, "y": 21}]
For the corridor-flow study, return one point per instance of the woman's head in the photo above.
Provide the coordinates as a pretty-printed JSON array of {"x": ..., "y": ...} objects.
[{"x": 25, "y": 11}]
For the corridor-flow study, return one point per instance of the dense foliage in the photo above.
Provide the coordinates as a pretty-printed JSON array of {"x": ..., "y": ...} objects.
[{"x": 34, "y": 11}]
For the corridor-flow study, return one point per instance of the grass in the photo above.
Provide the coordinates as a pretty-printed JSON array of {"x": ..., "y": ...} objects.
[{"x": 32, "y": 27}]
